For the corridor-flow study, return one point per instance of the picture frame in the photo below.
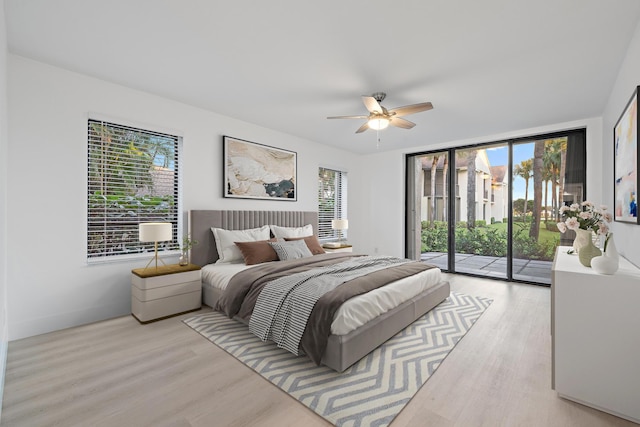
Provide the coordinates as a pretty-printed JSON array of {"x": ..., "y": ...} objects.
[
  {"x": 257, "y": 171},
  {"x": 625, "y": 163}
]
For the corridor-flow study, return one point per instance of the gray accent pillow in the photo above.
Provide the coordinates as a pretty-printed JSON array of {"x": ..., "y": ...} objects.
[{"x": 291, "y": 250}]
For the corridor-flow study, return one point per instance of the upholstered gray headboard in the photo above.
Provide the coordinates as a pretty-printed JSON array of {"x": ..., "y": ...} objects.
[{"x": 201, "y": 221}]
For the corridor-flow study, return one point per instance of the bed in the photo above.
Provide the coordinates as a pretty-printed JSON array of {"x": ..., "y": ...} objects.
[{"x": 346, "y": 344}]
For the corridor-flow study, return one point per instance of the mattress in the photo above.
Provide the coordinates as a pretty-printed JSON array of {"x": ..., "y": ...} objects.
[{"x": 352, "y": 314}]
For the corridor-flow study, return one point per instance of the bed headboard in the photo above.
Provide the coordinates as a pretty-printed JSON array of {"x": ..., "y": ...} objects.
[{"x": 201, "y": 221}]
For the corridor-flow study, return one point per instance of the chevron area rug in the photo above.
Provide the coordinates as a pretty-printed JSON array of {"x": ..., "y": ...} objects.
[{"x": 371, "y": 392}]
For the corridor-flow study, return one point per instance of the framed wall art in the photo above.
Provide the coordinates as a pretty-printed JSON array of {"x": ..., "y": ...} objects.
[
  {"x": 256, "y": 171},
  {"x": 625, "y": 163}
]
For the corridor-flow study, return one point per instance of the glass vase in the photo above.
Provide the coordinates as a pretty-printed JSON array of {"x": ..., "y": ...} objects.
[{"x": 184, "y": 258}]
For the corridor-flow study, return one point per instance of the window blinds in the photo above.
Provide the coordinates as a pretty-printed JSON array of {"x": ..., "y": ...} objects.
[
  {"x": 332, "y": 201},
  {"x": 132, "y": 178}
]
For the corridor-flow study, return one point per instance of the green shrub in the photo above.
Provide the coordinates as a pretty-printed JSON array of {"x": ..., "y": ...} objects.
[
  {"x": 552, "y": 226},
  {"x": 434, "y": 239},
  {"x": 481, "y": 223}
]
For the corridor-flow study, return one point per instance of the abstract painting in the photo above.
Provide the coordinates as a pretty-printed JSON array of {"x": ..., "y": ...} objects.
[
  {"x": 625, "y": 163},
  {"x": 256, "y": 171}
]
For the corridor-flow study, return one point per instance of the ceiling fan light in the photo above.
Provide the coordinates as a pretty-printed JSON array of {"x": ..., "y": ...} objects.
[{"x": 378, "y": 123}]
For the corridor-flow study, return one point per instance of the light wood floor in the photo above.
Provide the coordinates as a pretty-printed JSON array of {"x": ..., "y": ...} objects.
[{"x": 121, "y": 373}]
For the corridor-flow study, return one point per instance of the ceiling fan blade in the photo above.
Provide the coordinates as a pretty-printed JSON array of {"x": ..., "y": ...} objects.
[
  {"x": 372, "y": 104},
  {"x": 348, "y": 117},
  {"x": 411, "y": 109},
  {"x": 401, "y": 123},
  {"x": 362, "y": 128}
]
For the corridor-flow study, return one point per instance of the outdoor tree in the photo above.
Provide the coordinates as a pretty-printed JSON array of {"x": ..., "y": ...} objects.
[
  {"x": 524, "y": 170},
  {"x": 538, "y": 163},
  {"x": 434, "y": 169},
  {"x": 445, "y": 171},
  {"x": 471, "y": 188}
]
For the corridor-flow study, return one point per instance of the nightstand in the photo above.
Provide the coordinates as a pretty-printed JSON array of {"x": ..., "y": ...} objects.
[
  {"x": 342, "y": 248},
  {"x": 165, "y": 291}
]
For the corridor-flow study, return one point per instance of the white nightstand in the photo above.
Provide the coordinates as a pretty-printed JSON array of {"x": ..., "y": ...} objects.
[
  {"x": 165, "y": 291},
  {"x": 343, "y": 248}
]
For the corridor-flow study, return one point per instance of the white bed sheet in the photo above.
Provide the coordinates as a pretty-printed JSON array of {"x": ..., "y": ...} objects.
[{"x": 356, "y": 311}]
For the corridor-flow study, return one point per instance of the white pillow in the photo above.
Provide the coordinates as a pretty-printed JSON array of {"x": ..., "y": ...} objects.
[
  {"x": 291, "y": 232},
  {"x": 225, "y": 241},
  {"x": 293, "y": 249}
]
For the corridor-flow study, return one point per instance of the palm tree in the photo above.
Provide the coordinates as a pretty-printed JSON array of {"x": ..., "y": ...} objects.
[
  {"x": 538, "y": 162},
  {"x": 445, "y": 171},
  {"x": 434, "y": 169},
  {"x": 563, "y": 167},
  {"x": 471, "y": 188},
  {"x": 524, "y": 170},
  {"x": 552, "y": 161}
]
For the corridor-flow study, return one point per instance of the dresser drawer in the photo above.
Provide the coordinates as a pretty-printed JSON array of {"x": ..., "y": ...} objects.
[
  {"x": 146, "y": 311},
  {"x": 164, "y": 280},
  {"x": 166, "y": 291}
]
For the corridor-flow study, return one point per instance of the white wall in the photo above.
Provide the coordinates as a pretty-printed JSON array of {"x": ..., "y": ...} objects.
[
  {"x": 380, "y": 191},
  {"x": 626, "y": 235},
  {"x": 4, "y": 332},
  {"x": 50, "y": 284}
]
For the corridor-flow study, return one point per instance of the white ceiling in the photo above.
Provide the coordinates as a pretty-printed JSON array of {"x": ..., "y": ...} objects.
[{"x": 488, "y": 66}]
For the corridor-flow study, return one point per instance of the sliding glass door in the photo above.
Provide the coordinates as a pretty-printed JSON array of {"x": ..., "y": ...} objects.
[{"x": 492, "y": 210}]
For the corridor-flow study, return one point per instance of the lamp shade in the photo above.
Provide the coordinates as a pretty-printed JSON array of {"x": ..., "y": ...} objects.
[
  {"x": 155, "y": 231},
  {"x": 340, "y": 224}
]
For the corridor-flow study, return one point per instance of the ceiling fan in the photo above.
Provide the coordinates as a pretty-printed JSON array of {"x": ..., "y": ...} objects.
[{"x": 380, "y": 117}]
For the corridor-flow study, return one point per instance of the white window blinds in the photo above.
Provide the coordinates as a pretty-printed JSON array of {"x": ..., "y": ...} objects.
[
  {"x": 332, "y": 201},
  {"x": 132, "y": 178}
]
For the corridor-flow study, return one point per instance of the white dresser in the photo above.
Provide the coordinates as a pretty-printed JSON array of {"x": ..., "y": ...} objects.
[
  {"x": 165, "y": 291},
  {"x": 595, "y": 326}
]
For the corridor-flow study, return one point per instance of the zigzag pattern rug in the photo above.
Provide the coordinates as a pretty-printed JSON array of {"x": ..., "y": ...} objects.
[{"x": 374, "y": 390}]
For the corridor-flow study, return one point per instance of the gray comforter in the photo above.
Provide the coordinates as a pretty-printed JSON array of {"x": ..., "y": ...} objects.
[{"x": 240, "y": 296}]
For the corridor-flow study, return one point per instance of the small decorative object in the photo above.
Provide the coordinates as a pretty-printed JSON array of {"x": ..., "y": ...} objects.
[
  {"x": 609, "y": 261},
  {"x": 583, "y": 238},
  {"x": 604, "y": 265},
  {"x": 187, "y": 244},
  {"x": 610, "y": 249},
  {"x": 587, "y": 253},
  {"x": 584, "y": 219}
]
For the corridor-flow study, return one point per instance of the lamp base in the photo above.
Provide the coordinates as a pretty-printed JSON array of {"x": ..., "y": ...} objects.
[{"x": 155, "y": 258}]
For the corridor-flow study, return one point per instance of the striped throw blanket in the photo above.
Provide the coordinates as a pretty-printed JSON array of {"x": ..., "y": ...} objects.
[{"x": 285, "y": 304}]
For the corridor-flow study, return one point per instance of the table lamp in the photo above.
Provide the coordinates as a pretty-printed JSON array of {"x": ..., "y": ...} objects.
[
  {"x": 340, "y": 224},
  {"x": 155, "y": 232}
]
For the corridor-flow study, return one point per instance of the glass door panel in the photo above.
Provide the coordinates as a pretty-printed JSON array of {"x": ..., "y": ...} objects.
[
  {"x": 481, "y": 214},
  {"x": 429, "y": 207},
  {"x": 540, "y": 188}
]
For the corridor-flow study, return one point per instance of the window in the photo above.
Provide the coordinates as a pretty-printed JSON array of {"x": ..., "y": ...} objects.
[
  {"x": 132, "y": 178},
  {"x": 332, "y": 201}
]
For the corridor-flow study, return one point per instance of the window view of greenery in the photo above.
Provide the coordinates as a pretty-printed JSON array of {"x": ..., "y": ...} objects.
[
  {"x": 132, "y": 178},
  {"x": 332, "y": 201},
  {"x": 481, "y": 193}
]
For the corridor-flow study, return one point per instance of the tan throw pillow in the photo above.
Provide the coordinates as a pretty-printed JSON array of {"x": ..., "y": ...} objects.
[
  {"x": 312, "y": 243},
  {"x": 257, "y": 252}
]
